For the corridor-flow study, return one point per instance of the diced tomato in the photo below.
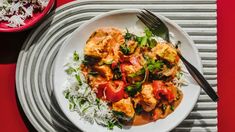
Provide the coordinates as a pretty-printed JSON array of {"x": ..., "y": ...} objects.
[
  {"x": 160, "y": 89},
  {"x": 114, "y": 91},
  {"x": 100, "y": 90},
  {"x": 125, "y": 95},
  {"x": 114, "y": 64}
]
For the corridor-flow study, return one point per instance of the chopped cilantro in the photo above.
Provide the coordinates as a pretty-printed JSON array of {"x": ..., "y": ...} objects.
[
  {"x": 172, "y": 107},
  {"x": 140, "y": 72},
  {"x": 152, "y": 43},
  {"x": 138, "y": 109},
  {"x": 148, "y": 33},
  {"x": 144, "y": 41},
  {"x": 70, "y": 70},
  {"x": 97, "y": 100},
  {"x": 125, "y": 49},
  {"x": 94, "y": 73},
  {"x": 78, "y": 79},
  {"x": 138, "y": 39},
  {"x": 133, "y": 89},
  {"x": 66, "y": 94},
  {"x": 128, "y": 36},
  {"x": 110, "y": 125},
  {"x": 71, "y": 106},
  {"x": 118, "y": 124},
  {"x": 154, "y": 65},
  {"x": 75, "y": 56}
]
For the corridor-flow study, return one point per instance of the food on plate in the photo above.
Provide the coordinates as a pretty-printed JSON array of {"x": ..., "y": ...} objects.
[
  {"x": 125, "y": 79},
  {"x": 16, "y": 12}
]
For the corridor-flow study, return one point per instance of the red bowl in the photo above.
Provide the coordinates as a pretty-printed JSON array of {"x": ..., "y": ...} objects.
[{"x": 28, "y": 22}]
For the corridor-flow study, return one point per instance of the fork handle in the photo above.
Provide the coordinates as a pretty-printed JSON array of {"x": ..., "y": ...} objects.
[{"x": 200, "y": 79}]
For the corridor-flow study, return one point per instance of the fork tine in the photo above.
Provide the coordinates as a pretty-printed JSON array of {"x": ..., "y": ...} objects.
[
  {"x": 154, "y": 24},
  {"x": 142, "y": 14},
  {"x": 144, "y": 21},
  {"x": 153, "y": 16}
]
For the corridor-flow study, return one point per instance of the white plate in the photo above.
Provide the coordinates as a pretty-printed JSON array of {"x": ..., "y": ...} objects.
[{"x": 125, "y": 19}]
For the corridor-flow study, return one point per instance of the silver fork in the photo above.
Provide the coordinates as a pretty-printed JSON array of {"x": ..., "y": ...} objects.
[{"x": 157, "y": 26}]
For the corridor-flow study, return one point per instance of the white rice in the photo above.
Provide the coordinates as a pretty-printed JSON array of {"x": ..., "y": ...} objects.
[{"x": 83, "y": 100}]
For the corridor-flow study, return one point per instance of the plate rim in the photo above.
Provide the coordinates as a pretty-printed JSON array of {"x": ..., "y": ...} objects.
[{"x": 118, "y": 11}]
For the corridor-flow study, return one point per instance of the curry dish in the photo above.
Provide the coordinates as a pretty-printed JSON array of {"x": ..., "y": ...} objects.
[{"x": 135, "y": 75}]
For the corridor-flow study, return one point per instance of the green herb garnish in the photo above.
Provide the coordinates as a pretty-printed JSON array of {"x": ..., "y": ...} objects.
[
  {"x": 172, "y": 107},
  {"x": 75, "y": 56},
  {"x": 154, "y": 65},
  {"x": 133, "y": 89},
  {"x": 71, "y": 106},
  {"x": 140, "y": 72},
  {"x": 66, "y": 94},
  {"x": 110, "y": 125},
  {"x": 117, "y": 74},
  {"x": 152, "y": 43},
  {"x": 138, "y": 109},
  {"x": 148, "y": 33},
  {"x": 78, "y": 79},
  {"x": 144, "y": 41},
  {"x": 128, "y": 36},
  {"x": 125, "y": 49},
  {"x": 93, "y": 73},
  {"x": 70, "y": 70},
  {"x": 138, "y": 39}
]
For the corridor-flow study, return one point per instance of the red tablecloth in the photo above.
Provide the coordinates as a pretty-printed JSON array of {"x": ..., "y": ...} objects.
[{"x": 12, "y": 118}]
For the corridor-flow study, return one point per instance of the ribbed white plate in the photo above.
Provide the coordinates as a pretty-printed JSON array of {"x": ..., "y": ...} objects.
[{"x": 36, "y": 59}]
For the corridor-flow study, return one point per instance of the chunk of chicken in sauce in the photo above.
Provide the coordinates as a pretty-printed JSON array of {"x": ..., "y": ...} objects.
[
  {"x": 125, "y": 106},
  {"x": 105, "y": 43},
  {"x": 146, "y": 98},
  {"x": 164, "y": 51},
  {"x": 94, "y": 82},
  {"x": 105, "y": 71},
  {"x": 167, "y": 52}
]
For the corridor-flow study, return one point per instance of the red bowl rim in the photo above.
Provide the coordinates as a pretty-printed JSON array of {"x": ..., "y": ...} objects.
[{"x": 32, "y": 23}]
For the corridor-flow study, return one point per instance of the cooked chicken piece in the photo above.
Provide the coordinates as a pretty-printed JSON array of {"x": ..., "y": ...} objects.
[
  {"x": 169, "y": 71},
  {"x": 104, "y": 42},
  {"x": 167, "y": 52},
  {"x": 95, "y": 81},
  {"x": 151, "y": 54},
  {"x": 134, "y": 67},
  {"x": 125, "y": 106},
  {"x": 136, "y": 99},
  {"x": 105, "y": 71},
  {"x": 132, "y": 45},
  {"x": 147, "y": 100}
]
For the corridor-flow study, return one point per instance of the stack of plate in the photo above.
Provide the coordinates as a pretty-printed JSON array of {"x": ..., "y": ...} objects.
[{"x": 36, "y": 59}]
